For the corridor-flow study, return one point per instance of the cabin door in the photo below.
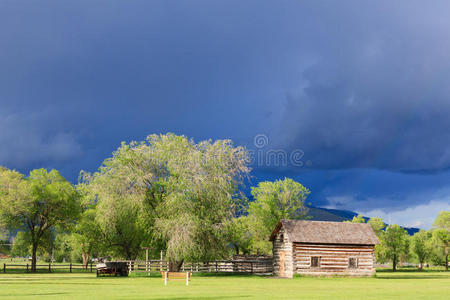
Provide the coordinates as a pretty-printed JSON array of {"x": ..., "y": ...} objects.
[{"x": 282, "y": 264}]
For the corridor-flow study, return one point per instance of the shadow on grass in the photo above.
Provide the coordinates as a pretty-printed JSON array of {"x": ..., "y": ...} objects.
[
  {"x": 204, "y": 297},
  {"x": 199, "y": 274},
  {"x": 412, "y": 270}
]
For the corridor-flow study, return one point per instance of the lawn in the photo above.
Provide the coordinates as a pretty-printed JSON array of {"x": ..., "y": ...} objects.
[{"x": 403, "y": 284}]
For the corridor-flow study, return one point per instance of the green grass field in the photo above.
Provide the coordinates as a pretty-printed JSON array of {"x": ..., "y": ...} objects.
[{"x": 386, "y": 285}]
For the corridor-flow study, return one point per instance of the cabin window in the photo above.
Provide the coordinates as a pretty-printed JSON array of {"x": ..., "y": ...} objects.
[
  {"x": 352, "y": 262},
  {"x": 315, "y": 261}
]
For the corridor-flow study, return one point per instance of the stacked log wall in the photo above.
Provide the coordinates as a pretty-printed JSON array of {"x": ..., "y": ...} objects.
[
  {"x": 282, "y": 243},
  {"x": 334, "y": 259}
]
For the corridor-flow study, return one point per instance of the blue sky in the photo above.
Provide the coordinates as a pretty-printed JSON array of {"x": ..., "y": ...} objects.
[{"x": 360, "y": 88}]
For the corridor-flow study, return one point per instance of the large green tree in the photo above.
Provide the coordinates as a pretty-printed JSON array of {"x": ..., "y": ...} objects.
[
  {"x": 421, "y": 246},
  {"x": 393, "y": 246},
  {"x": 87, "y": 234},
  {"x": 441, "y": 233},
  {"x": 273, "y": 201},
  {"x": 179, "y": 193},
  {"x": 36, "y": 204}
]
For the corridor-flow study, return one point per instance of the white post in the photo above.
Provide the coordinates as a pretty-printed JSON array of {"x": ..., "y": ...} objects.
[
  {"x": 165, "y": 278},
  {"x": 187, "y": 278},
  {"x": 146, "y": 261}
]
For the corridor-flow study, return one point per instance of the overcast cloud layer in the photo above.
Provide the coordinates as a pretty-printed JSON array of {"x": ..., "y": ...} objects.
[{"x": 361, "y": 87}]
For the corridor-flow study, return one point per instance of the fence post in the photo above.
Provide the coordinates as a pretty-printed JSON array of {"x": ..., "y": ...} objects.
[
  {"x": 91, "y": 267},
  {"x": 251, "y": 267},
  {"x": 187, "y": 278},
  {"x": 216, "y": 266},
  {"x": 4, "y": 268},
  {"x": 70, "y": 268},
  {"x": 165, "y": 278},
  {"x": 50, "y": 267},
  {"x": 27, "y": 268}
]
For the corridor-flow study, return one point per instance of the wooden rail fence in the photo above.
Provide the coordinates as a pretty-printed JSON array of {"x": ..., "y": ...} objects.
[
  {"x": 263, "y": 267},
  {"x": 48, "y": 268},
  {"x": 260, "y": 267}
]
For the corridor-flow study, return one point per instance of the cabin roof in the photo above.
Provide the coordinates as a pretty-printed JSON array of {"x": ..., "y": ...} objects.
[{"x": 321, "y": 232}]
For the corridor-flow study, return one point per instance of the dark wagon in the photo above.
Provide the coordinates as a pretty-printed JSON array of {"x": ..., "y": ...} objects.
[{"x": 112, "y": 268}]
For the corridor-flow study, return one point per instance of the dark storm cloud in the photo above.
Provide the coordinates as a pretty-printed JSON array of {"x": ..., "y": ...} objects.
[
  {"x": 377, "y": 91},
  {"x": 355, "y": 84}
]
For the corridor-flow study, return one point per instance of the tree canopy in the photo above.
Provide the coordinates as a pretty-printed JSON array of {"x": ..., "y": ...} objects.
[
  {"x": 273, "y": 201},
  {"x": 172, "y": 192},
  {"x": 36, "y": 204}
]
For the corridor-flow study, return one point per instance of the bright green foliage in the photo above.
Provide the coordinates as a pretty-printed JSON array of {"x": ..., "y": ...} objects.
[
  {"x": 394, "y": 245},
  {"x": 281, "y": 199},
  {"x": 21, "y": 245},
  {"x": 239, "y": 235},
  {"x": 441, "y": 238},
  {"x": 87, "y": 235},
  {"x": 63, "y": 247},
  {"x": 441, "y": 235},
  {"x": 169, "y": 192},
  {"x": 421, "y": 246},
  {"x": 357, "y": 219},
  {"x": 442, "y": 220},
  {"x": 37, "y": 204},
  {"x": 377, "y": 225}
]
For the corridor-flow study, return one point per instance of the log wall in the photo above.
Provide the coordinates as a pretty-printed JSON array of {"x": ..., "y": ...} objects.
[
  {"x": 334, "y": 259},
  {"x": 282, "y": 244}
]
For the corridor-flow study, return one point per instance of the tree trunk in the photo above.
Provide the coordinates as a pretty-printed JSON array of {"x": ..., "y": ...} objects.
[
  {"x": 85, "y": 260},
  {"x": 394, "y": 263},
  {"x": 175, "y": 266},
  {"x": 446, "y": 261},
  {"x": 34, "y": 257}
]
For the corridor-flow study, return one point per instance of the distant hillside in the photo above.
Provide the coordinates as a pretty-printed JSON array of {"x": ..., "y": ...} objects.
[{"x": 336, "y": 215}]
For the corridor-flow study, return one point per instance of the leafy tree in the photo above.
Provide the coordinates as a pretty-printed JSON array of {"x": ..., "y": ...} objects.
[
  {"x": 357, "y": 219},
  {"x": 377, "y": 225},
  {"x": 239, "y": 235},
  {"x": 421, "y": 246},
  {"x": 64, "y": 247},
  {"x": 441, "y": 235},
  {"x": 87, "y": 235},
  {"x": 170, "y": 192},
  {"x": 442, "y": 220},
  {"x": 281, "y": 199},
  {"x": 393, "y": 246},
  {"x": 36, "y": 204},
  {"x": 21, "y": 245}
]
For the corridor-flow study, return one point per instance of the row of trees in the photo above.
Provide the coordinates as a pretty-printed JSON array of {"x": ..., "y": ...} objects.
[
  {"x": 166, "y": 193},
  {"x": 397, "y": 246}
]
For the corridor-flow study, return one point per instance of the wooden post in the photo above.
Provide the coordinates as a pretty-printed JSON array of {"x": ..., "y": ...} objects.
[
  {"x": 91, "y": 267},
  {"x": 27, "y": 268},
  {"x": 216, "y": 266},
  {"x": 4, "y": 268},
  {"x": 70, "y": 268},
  {"x": 161, "y": 260},
  {"x": 187, "y": 278},
  {"x": 251, "y": 267},
  {"x": 50, "y": 267},
  {"x": 165, "y": 278}
]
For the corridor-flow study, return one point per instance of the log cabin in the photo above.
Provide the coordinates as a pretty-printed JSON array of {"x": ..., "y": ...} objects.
[{"x": 323, "y": 248}]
